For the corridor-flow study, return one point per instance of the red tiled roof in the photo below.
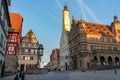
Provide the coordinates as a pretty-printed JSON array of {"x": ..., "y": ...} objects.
[
  {"x": 95, "y": 28},
  {"x": 16, "y": 21}
]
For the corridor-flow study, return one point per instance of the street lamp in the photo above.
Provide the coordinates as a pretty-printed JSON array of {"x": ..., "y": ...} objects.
[
  {"x": 115, "y": 71},
  {"x": 40, "y": 53},
  {"x": 40, "y": 50}
]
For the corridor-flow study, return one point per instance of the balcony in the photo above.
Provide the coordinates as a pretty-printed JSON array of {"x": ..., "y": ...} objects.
[{"x": 106, "y": 51}]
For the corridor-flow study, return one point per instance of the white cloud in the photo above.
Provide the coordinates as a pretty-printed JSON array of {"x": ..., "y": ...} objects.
[
  {"x": 59, "y": 4},
  {"x": 84, "y": 8},
  {"x": 83, "y": 15}
]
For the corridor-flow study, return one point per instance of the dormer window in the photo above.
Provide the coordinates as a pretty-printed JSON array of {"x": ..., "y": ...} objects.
[
  {"x": 88, "y": 27},
  {"x": 118, "y": 30},
  {"x": 107, "y": 32},
  {"x": 91, "y": 31},
  {"x": 104, "y": 29}
]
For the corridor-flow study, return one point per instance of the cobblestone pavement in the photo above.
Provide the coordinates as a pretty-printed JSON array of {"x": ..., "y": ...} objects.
[{"x": 72, "y": 75}]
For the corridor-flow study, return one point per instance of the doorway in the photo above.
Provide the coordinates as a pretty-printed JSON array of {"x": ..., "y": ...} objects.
[
  {"x": 66, "y": 66},
  {"x": 22, "y": 67}
]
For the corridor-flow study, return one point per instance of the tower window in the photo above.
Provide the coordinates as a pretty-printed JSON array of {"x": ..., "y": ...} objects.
[
  {"x": 118, "y": 30},
  {"x": 119, "y": 36},
  {"x": 104, "y": 29}
]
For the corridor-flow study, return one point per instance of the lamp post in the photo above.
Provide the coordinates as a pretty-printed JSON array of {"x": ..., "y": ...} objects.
[
  {"x": 95, "y": 63},
  {"x": 67, "y": 57},
  {"x": 40, "y": 51},
  {"x": 115, "y": 71}
]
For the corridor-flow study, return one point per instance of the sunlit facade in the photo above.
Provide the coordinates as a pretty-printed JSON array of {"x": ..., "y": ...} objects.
[
  {"x": 93, "y": 44},
  {"x": 28, "y": 57}
]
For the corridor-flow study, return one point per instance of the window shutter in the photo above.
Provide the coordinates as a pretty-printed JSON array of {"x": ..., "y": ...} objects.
[{"x": 23, "y": 57}]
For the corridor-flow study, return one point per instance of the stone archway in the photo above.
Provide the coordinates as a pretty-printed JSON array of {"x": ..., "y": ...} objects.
[
  {"x": 74, "y": 65},
  {"x": 95, "y": 58},
  {"x": 66, "y": 66},
  {"x": 110, "y": 60},
  {"x": 102, "y": 60},
  {"x": 117, "y": 60}
]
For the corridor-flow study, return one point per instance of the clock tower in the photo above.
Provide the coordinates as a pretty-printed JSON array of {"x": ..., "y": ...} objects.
[
  {"x": 64, "y": 47},
  {"x": 66, "y": 18}
]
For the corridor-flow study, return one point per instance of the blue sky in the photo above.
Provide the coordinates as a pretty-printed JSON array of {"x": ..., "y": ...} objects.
[{"x": 44, "y": 17}]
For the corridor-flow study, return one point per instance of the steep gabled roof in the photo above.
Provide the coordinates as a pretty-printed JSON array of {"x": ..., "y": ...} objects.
[
  {"x": 30, "y": 37},
  {"x": 95, "y": 28},
  {"x": 16, "y": 21}
]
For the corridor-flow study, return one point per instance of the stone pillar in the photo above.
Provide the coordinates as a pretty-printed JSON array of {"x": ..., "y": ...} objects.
[
  {"x": 98, "y": 60},
  {"x": 83, "y": 65},
  {"x": 78, "y": 60}
]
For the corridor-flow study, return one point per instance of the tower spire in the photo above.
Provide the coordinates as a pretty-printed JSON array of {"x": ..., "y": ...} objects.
[
  {"x": 66, "y": 18},
  {"x": 65, "y": 7},
  {"x": 114, "y": 12},
  {"x": 65, "y": 4},
  {"x": 115, "y": 17}
]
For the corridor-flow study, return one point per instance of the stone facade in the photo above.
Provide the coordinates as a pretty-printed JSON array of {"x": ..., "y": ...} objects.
[
  {"x": 94, "y": 44},
  {"x": 64, "y": 47},
  {"x": 4, "y": 24},
  {"x": 11, "y": 64}
]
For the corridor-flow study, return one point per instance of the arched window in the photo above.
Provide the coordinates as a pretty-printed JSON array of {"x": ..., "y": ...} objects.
[
  {"x": 102, "y": 60},
  {"x": 95, "y": 58},
  {"x": 116, "y": 60}
]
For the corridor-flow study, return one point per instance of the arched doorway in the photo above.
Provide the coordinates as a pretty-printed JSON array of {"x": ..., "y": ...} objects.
[
  {"x": 102, "y": 60},
  {"x": 66, "y": 66},
  {"x": 74, "y": 64},
  {"x": 110, "y": 60},
  {"x": 95, "y": 58},
  {"x": 95, "y": 61},
  {"x": 22, "y": 67},
  {"x": 116, "y": 60},
  {"x": 74, "y": 59}
]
